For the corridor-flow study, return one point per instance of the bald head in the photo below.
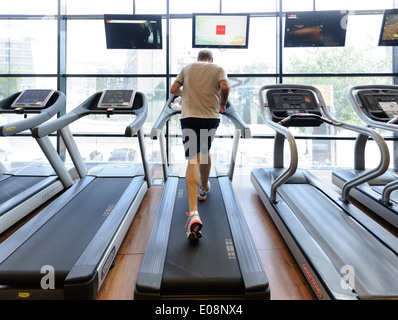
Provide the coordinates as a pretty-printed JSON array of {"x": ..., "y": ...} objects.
[{"x": 205, "y": 55}]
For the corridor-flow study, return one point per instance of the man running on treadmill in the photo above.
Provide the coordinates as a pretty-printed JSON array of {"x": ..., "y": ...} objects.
[{"x": 204, "y": 93}]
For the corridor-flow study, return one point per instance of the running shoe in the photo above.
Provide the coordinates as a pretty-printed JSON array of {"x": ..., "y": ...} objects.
[
  {"x": 194, "y": 225},
  {"x": 203, "y": 194}
]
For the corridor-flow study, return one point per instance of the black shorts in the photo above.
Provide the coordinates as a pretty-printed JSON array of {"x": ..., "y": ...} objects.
[{"x": 198, "y": 134}]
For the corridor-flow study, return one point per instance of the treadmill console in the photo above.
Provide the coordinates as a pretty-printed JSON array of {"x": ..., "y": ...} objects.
[
  {"x": 32, "y": 98},
  {"x": 118, "y": 99},
  {"x": 379, "y": 105},
  {"x": 283, "y": 103}
]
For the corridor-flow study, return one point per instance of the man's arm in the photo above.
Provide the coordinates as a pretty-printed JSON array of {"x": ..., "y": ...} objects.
[
  {"x": 176, "y": 89},
  {"x": 224, "y": 93}
]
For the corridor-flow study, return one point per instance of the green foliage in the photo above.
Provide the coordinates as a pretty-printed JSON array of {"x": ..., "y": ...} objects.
[{"x": 347, "y": 60}]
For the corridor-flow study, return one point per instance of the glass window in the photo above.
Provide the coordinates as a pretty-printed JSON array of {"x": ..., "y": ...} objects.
[
  {"x": 12, "y": 155},
  {"x": 353, "y": 4},
  {"x": 361, "y": 45},
  {"x": 28, "y": 46},
  {"x": 38, "y": 7},
  {"x": 334, "y": 90},
  {"x": 181, "y": 51},
  {"x": 150, "y": 7},
  {"x": 248, "y": 6},
  {"x": 183, "y": 6},
  {"x": 258, "y": 58},
  {"x": 244, "y": 97},
  {"x": 79, "y": 89},
  {"x": 107, "y": 149},
  {"x": 10, "y": 85},
  {"x": 88, "y": 54},
  {"x": 294, "y": 5},
  {"x": 99, "y": 7}
]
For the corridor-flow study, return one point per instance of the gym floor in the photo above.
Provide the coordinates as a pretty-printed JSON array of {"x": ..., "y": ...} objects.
[{"x": 285, "y": 278}]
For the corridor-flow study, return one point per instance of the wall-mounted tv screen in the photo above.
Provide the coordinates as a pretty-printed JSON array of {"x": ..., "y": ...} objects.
[
  {"x": 133, "y": 31},
  {"x": 315, "y": 29},
  {"x": 220, "y": 30},
  {"x": 389, "y": 28}
]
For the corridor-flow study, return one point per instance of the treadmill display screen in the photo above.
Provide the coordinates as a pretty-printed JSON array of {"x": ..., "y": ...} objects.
[
  {"x": 32, "y": 99},
  {"x": 379, "y": 105},
  {"x": 292, "y": 101},
  {"x": 117, "y": 99},
  {"x": 284, "y": 103},
  {"x": 389, "y": 106}
]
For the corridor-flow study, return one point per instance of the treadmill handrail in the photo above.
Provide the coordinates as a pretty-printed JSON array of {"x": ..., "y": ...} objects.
[
  {"x": 381, "y": 168},
  {"x": 279, "y": 128},
  {"x": 141, "y": 115},
  {"x": 286, "y": 120},
  {"x": 162, "y": 119},
  {"x": 61, "y": 125},
  {"x": 390, "y": 125},
  {"x": 44, "y": 114},
  {"x": 83, "y": 110},
  {"x": 384, "y": 154},
  {"x": 167, "y": 112}
]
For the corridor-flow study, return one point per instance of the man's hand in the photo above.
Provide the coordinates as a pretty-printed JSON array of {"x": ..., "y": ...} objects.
[
  {"x": 224, "y": 92},
  {"x": 176, "y": 89}
]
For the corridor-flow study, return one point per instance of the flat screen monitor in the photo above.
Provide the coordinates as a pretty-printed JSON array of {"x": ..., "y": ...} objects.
[
  {"x": 315, "y": 29},
  {"x": 32, "y": 98},
  {"x": 389, "y": 28},
  {"x": 220, "y": 30},
  {"x": 116, "y": 99},
  {"x": 133, "y": 31}
]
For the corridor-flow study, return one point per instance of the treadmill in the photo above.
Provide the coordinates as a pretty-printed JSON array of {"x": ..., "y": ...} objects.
[
  {"x": 341, "y": 251},
  {"x": 25, "y": 188},
  {"x": 377, "y": 106},
  {"x": 224, "y": 263},
  {"x": 76, "y": 238}
]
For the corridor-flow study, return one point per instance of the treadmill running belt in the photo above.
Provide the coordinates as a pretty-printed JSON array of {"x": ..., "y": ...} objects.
[
  {"x": 14, "y": 185},
  {"x": 61, "y": 241},
  {"x": 205, "y": 266}
]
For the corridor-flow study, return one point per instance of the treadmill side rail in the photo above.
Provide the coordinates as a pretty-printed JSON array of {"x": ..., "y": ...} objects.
[
  {"x": 150, "y": 277},
  {"x": 254, "y": 277}
]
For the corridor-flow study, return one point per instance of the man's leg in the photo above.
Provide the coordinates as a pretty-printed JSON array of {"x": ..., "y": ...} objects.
[
  {"x": 194, "y": 224},
  {"x": 192, "y": 178},
  {"x": 204, "y": 169}
]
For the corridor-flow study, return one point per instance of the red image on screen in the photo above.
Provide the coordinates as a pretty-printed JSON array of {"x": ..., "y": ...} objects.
[{"x": 220, "y": 29}]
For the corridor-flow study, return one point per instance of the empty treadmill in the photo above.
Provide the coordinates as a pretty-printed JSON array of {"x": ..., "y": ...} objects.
[
  {"x": 341, "y": 251},
  {"x": 25, "y": 188},
  {"x": 224, "y": 263},
  {"x": 377, "y": 106},
  {"x": 77, "y": 236}
]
